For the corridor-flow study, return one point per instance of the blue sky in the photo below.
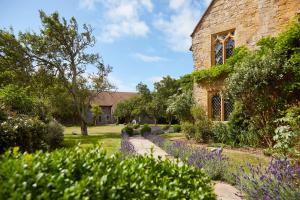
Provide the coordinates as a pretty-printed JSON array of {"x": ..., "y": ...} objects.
[{"x": 143, "y": 40}]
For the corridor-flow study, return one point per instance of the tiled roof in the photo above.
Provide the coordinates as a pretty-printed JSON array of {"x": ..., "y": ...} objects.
[{"x": 112, "y": 98}]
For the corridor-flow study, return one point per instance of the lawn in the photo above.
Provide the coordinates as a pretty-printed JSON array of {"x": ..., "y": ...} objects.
[{"x": 107, "y": 135}]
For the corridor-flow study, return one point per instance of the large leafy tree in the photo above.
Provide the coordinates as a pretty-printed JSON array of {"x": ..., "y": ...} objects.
[
  {"x": 267, "y": 81},
  {"x": 15, "y": 65},
  {"x": 163, "y": 90},
  {"x": 62, "y": 51}
]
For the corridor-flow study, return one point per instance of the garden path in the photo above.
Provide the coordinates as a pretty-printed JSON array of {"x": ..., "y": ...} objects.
[{"x": 143, "y": 146}]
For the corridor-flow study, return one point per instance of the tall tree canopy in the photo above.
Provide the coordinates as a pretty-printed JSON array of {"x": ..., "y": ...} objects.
[{"x": 61, "y": 50}]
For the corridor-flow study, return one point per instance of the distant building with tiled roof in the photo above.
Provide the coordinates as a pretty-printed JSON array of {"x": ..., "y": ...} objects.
[{"x": 108, "y": 102}]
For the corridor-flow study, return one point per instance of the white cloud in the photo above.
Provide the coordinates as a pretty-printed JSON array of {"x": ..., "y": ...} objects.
[
  {"x": 176, "y": 4},
  {"x": 121, "y": 85},
  {"x": 179, "y": 25},
  {"x": 87, "y": 4},
  {"x": 148, "y": 58},
  {"x": 123, "y": 18}
]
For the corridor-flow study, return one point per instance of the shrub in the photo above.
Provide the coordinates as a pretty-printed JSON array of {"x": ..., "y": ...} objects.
[
  {"x": 128, "y": 129},
  {"x": 241, "y": 129},
  {"x": 26, "y": 132},
  {"x": 146, "y": 129},
  {"x": 221, "y": 133},
  {"x": 55, "y": 134},
  {"x": 202, "y": 124},
  {"x": 166, "y": 127},
  {"x": 203, "y": 131},
  {"x": 90, "y": 174},
  {"x": 188, "y": 129},
  {"x": 280, "y": 180},
  {"x": 177, "y": 128},
  {"x": 136, "y": 126},
  {"x": 29, "y": 134}
]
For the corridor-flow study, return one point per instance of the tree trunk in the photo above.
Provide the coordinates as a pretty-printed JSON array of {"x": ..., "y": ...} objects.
[
  {"x": 155, "y": 121},
  {"x": 83, "y": 127}
]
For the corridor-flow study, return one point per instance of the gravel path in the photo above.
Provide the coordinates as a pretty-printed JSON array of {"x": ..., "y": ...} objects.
[{"x": 143, "y": 146}]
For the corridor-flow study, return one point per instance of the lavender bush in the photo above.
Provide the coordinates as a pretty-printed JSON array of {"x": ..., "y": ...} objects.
[
  {"x": 279, "y": 181},
  {"x": 214, "y": 163},
  {"x": 126, "y": 146}
]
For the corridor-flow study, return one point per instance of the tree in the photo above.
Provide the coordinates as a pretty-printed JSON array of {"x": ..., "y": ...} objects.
[
  {"x": 164, "y": 89},
  {"x": 180, "y": 106},
  {"x": 96, "y": 110},
  {"x": 15, "y": 65},
  {"x": 186, "y": 82},
  {"x": 62, "y": 51},
  {"x": 125, "y": 110},
  {"x": 266, "y": 81}
]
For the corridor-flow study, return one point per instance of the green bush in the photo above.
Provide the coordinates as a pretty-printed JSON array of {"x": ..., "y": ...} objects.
[
  {"x": 55, "y": 134},
  {"x": 177, "y": 128},
  {"x": 89, "y": 174},
  {"x": 188, "y": 129},
  {"x": 29, "y": 134},
  {"x": 166, "y": 127},
  {"x": 128, "y": 129},
  {"x": 241, "y": 128},
  {"x": 221, "y": 133},
  {"x": 202, "y": 125},
  {"x": 146, "y": 129},
  {"x": 136, "y": 126}
]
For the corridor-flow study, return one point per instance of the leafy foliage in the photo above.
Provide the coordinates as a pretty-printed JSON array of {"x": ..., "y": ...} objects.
[
  {"x": 218, "y": 72},
  {"x": 180, "y": 105},
  {"x": 221, "y": 133},
  {"x": 80, "y": 174},
  {"x": 29, "y": 134},
  {"x": 62, "y": 50},
  {"x": 145, "y": 129},
  {"x": 128, "y": 130},
  {"x": 16, "y": 99},
  {"x": 177, "y": 128},
  {"x": 266, "y": 81}
]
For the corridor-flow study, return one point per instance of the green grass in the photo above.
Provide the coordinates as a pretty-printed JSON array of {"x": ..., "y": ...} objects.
[
  {"x": 108, "y": 135},
  {"x": 173, "y": 136}
]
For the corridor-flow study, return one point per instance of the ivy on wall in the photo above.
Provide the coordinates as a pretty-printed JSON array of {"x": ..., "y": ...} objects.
[{"x": 218, "y": 72}]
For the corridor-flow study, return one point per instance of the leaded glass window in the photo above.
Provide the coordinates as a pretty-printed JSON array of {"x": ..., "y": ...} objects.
[
  {"x": 229, "y": 47},
  {"x": 228, "y": 108},
  {"x": 219, "y": 53},
  {"x": 216, "y": 107},
  {"x": 223, "y": 47}
]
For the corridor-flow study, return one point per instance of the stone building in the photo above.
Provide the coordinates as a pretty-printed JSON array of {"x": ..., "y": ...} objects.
[
  {"x": 108, "y": 102},
  {"x": 227, "y": 24}
]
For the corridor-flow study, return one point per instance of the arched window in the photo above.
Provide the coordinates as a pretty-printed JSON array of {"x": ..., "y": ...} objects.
[
  {"x": 223, "y": 45},
  {"x": 216, "y": 107}
]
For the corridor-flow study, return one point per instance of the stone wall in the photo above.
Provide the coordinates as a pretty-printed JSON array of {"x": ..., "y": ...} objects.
[{"x": 251, "y": 19}]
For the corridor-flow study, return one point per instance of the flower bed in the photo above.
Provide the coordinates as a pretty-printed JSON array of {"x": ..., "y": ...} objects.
[
  {"x": 214, "y": 163},
  {"x": 280, "y": 180},
  {"x": 126, "y": 146}
]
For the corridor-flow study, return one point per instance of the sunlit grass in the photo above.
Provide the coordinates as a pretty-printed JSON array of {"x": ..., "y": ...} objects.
[{"x": 108, "y": 136}]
